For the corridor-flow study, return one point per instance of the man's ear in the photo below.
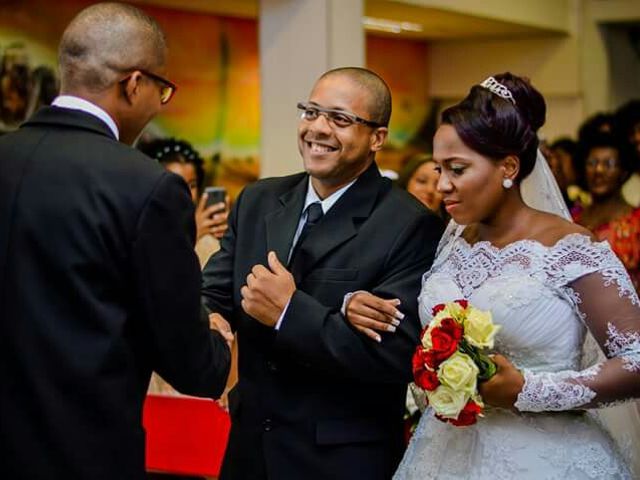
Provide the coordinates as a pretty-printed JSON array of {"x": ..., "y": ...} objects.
[
  {"x": 131, "y": 86},
  {"x": 378, "y": 137}
]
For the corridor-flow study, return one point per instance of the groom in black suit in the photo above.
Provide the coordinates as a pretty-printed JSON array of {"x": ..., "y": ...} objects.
[
  {"x": 315, "y": 398},
  {"x": 99, "y": 282}
]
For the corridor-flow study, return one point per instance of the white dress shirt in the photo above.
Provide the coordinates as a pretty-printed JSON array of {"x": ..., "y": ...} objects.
[{"x": 76, "y": 103}]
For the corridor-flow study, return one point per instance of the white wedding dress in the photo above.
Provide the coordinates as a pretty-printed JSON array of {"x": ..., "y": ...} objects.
[{"x": 547, "y": 299}]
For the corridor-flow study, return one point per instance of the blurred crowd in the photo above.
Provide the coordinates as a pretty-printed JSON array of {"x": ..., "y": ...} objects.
[
  {"x": 599, "y": 176},
  {"x": 22, "y": 89}
]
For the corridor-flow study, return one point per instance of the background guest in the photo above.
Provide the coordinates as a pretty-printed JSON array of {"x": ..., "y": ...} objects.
[
  {"x": 567, "y": 167},
  {"x": 14, "y": 87},
  {"x": 419, "y": 177},
  {"x": 601, "y": 122},
  {"x": 179, "y": 157},
  {"x": 44, "y": 89},
  {"x": 627, "y": 124},
  {"x": 610, "y": 217}
]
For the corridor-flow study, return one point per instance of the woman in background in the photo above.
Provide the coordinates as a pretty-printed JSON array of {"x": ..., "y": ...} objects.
[
  {"x": 568, "y": 167},
  {"x": 419, "y": 177},
  {"x": 179, "y": 157},
  {"x": 606, "y": 167}
]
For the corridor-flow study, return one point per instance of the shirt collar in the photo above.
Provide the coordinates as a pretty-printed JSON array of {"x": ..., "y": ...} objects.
[
  {"x": 77, "y": 103},
  {"x": 328, "y": 202}
]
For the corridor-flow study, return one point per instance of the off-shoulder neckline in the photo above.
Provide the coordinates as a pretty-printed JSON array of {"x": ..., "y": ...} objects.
[{"x": 580, "y": 238}]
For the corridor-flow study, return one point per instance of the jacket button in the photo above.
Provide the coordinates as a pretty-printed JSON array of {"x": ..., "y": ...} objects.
[{"x": 267, "y": 425}]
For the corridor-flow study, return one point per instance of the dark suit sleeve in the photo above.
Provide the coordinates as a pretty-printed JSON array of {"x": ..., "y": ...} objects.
[
  {"x": 217, "y": 275},
  {"x": 322, "y": 338},
  {"x": 186, "y": 352}
]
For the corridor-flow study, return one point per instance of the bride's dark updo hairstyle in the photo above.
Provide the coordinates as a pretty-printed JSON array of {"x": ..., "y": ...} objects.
[{"x": 495, "y": 127}]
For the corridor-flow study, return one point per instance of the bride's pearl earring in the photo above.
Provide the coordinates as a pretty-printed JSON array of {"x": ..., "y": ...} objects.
[{"x": 507, "y": 183}]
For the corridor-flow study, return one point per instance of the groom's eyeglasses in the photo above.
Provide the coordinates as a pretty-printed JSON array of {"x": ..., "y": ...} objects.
[{"x": 340, "y": 118}]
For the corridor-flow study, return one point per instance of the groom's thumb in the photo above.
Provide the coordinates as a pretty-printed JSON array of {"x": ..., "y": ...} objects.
[{"x": 274, "y": 264}]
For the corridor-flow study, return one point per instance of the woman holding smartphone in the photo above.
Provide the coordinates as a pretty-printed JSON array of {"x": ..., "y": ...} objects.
[{"x": 179, "y": 157}]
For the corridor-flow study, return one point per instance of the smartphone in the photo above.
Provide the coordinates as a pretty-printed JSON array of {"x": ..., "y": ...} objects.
[{"x": 215, "y": 195}]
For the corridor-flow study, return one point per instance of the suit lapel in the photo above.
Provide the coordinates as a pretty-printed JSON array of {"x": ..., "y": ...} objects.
[
  {"x": 341, "y": 222},
  {"x": 281, "y": 224}
]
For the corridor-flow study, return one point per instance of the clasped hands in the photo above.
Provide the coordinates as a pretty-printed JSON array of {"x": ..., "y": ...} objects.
[{"x": 368, "y": 313}]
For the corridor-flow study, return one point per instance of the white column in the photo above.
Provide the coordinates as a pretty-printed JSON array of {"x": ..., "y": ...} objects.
[{"x": 299, "y": 40}]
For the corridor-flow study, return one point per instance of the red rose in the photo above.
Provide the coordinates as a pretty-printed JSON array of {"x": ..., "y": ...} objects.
[
  {"x": 468, "y": 415},
  {"x": 417, "y": 361},
  {"x": 463, "y": 303},
  {"x": 445, "y": 340},
  {"x": 430, "y": 359},
  {"x": 437, "y": 308},
  {"x": 424, "y": 378},
  {"x": 428, "y": 380},
  {"x": 452, "y": 328}
]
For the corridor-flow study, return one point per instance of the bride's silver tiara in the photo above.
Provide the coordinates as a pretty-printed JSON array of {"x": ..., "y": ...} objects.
[{"x": 499, "y": 89}]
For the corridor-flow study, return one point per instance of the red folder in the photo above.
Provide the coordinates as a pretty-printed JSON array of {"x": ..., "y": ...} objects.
[{"x": 185, "y": 435}]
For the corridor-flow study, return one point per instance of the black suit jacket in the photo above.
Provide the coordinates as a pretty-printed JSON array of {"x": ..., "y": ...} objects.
[
  {"x": 317, "y": 399},
  {"x": 99, "y": 284}
]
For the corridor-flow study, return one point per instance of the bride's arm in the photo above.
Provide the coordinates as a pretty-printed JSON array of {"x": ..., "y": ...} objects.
[{"x": 610, "y": 308}]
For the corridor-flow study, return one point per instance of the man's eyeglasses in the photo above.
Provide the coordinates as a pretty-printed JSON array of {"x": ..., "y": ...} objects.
[
  {"x": 167, "y": 88},
  {"x": 339, "y": 118}
]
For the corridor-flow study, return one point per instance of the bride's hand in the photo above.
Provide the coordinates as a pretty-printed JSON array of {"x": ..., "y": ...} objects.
[
  {"x": 367, "y": 313},
  {"x": 503, "y": 388}
]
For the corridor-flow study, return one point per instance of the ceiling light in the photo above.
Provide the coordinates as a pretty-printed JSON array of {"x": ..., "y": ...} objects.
[{"x": 385, "y": 25}]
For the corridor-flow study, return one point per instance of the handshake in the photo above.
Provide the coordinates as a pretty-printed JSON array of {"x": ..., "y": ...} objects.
[{"x": 218, "y": 323}]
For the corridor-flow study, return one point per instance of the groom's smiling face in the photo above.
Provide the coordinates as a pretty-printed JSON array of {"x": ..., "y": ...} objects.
[
  {"x": 332, "y": 154},
  {"x": 471, "y": 184}
]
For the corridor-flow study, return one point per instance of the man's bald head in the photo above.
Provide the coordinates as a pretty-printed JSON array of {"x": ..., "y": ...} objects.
[
  {"x": 380, "y": 95},
  {"x": 106, "y": 40}
]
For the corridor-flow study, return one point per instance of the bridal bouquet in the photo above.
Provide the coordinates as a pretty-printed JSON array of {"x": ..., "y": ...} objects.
[{"x": 450, "y": 361}]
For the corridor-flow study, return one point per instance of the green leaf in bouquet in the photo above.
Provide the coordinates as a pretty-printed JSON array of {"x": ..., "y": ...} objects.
[{"x": 486, "y": 366}]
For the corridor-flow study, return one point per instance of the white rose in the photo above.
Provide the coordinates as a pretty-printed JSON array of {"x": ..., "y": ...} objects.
[
  {"x": 459, "y": 372},
  {"x": 454, "y": 310},
  {"x": 479, "y": 329},
  {"x": 447, "y": 402}
]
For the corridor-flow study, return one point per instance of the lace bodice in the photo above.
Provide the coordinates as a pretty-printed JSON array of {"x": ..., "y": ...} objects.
[
  {"x": 547, "y": 299},
  {"x": 554, "y": 303}
]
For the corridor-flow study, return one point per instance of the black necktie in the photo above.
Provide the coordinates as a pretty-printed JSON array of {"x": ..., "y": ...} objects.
[{"x": 314, "y": 215}]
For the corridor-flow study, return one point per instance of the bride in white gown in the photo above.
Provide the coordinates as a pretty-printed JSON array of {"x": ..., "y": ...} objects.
[{"x": 547, "y": 282}]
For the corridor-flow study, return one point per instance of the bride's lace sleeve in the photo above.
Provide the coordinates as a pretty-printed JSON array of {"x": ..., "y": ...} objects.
[{"x": 609, "y": 306}]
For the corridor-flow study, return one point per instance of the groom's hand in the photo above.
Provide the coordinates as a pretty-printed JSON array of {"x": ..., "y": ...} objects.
[{"x": 268, "y": 291}]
